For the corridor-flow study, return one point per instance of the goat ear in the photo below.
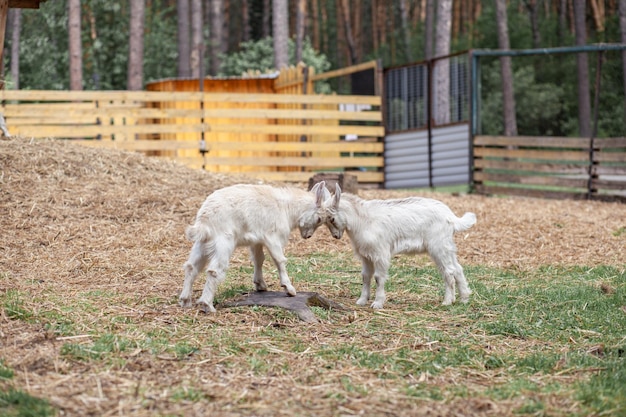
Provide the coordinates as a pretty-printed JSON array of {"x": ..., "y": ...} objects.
[
  {"x": 319, "y": 193},
  {"x": 337, "y": 196},
  {"x": 315, "y": 187}
]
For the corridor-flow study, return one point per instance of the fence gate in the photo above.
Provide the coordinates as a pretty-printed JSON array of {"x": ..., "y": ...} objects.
[{"x": 427, "y": 142}]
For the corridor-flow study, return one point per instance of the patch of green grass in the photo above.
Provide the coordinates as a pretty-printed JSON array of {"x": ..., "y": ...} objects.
[
  {"x": 5, "y": 372},
  {"x": 106, "y": 344},
  {"x": 531, "y": 406},
  {"x": 183, "y": 350},
  {"x": 227, "y": 292},
  {"x": 606, "y": 389},
  {"x": 13, "y": 304},
  {"x": 553, "y": 304},
  {"x": 190, "y": 394},
  {"x": 16, "y": 403},
  {"x": 619, "y": 232}
]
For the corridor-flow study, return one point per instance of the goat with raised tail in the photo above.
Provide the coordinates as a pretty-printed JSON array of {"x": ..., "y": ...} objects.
[
  {"x": 247, "y": 215},
  {"x": 379, "y": 229}
]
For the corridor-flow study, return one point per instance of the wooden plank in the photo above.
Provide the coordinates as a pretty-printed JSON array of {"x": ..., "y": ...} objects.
[
  {"x": 59, "y": 131},
  {"x": 533, "y": 141},
  {"x": 303, "y": 176},
  {"x": 609, "y": 156},
  {"x": 25, "y": 4},
  {"x": 600, "y": 184},
  {"x": 297, "y": 82},
  {"x": 47, "y": 131},
  {"x": 345, "y": 71},
  {"x": 172, "y": 145},
  {"x": 514, "y": 165},
  {"x": 29, "y": 113},
  {"x": 297, "y": 161},
  {"x": 608, "y": 170},
  {"x": 159, "y": 96},
  {"x": 532, "y": 154},
  {"x": 46, "y": 121},
  {"x": 604, "y": 143},
  {"x": 526, "y": 192},
  {"x": 4, "y": 11},
  {"x": 371, "y": 116},
  {"x": 299, "y": 129},
  {"x": 37, "y": 107},
  {"x": 531, "y": 180}
]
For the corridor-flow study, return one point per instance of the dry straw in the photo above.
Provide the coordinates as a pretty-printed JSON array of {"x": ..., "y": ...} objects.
[{"x": 103, "y": 231}]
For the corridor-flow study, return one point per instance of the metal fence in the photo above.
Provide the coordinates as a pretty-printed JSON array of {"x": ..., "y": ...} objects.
[{"x": 426, "y": 118}]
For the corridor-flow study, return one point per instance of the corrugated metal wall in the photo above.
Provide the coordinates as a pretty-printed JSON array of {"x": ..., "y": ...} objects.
[{"x": 409, "y": 164}]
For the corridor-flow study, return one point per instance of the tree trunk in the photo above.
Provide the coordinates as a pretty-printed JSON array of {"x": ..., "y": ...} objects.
[
  {"x": 300, "y": 18},
  {"x": 584, "y": 102},
  {"x": 315, "y": 28},
  {"x": 344, "y": 10},
  {"x": 16, "y": 28},
  {"x": 217, "y": 35},
  {"x": 75, "y": 45},
  {"x": 280, "y": 20},
  {"x": 267, "y": 18},
  {"x": 135, "y": 50},
  {"x": 196, "y": 38},
  {"x": 357, "y": 24},
  {"x": 599, "y": 17},
  {"x": 428, "y": 29},
  {"x": 375, "y": 41},
  {"x": 184, "y": 43},
  {"x": 562, "y": 20},
  {"x": 442, "y": 71},
  {"x": 533, "y": 13},
  {"x": 406, "y": 30},
  {"x": 245, "y": 21},
  {"x": 508, "y": 98},
  {"x": 622, "y": 25}
]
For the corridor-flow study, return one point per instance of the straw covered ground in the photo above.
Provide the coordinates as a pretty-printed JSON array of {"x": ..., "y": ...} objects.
[{"x": 91, "y": 252}]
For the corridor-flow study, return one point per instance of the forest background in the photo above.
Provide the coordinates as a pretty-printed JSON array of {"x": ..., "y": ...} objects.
[{"x": 118, "y": 45}]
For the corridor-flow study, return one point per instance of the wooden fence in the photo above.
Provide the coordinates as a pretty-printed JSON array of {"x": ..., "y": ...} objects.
[
  {"x": 280, "y": 137},
  {"x": 556, "y": 167}
]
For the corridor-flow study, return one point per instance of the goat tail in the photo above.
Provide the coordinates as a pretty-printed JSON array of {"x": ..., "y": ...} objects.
[
  {"x": 468, "y": 220},
  {"x": 197, "y": 232}
]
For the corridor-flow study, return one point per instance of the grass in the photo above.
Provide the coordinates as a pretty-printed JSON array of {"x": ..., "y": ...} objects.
[
  {"x": 537, "y": 340},
  {"x": 17, "y": 403}
]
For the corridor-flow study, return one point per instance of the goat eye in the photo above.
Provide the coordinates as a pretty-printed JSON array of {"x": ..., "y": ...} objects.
[
  {"x": 332, "y": 220},
  {"x": 319, "y": 220}
]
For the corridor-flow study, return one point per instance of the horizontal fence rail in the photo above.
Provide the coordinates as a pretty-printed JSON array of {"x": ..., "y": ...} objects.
[
  {"x": 272, "y": 136},
  {"x": 554, "y": 167}
]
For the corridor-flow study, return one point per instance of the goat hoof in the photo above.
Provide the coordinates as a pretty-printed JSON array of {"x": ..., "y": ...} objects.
[
  {"x": 291, "y": 291},
  {"x": 184, "y": 302},
  {"x": 377, "y": 305},
  {"x": 260, "y": 287},
  {"x": 207, "y": 308}
]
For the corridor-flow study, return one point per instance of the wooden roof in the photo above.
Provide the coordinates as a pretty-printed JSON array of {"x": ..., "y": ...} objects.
[{"x": 25, "y": 4}]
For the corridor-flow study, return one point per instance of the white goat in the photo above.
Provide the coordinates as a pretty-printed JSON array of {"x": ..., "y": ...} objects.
[
  {"x": 379, "y": 229},
  {"x": 247, "y": 215}
]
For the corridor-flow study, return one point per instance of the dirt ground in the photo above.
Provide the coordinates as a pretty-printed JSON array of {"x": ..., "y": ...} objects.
[{"x": 74, "y": 219}]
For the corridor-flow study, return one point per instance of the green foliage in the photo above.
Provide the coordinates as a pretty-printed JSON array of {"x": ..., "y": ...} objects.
[
  {"x": 259, "y": 56},
  {"x": 44, "y": 60}
]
